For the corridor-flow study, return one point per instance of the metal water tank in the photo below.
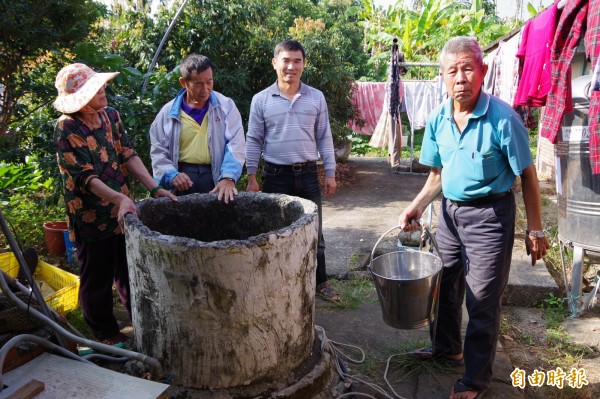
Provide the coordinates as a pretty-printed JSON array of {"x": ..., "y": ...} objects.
[{"x": 578, "y": 190}]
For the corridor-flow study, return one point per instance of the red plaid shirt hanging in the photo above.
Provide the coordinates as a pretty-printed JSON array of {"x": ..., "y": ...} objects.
[
  {"x": 568, "y": 33},
  {"x": 592, "y": 49}
]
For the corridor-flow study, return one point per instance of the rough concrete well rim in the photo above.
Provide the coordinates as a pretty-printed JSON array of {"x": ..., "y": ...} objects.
[{"x": 310, "y": 213}]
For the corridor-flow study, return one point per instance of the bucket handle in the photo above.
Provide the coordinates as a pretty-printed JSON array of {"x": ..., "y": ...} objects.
[
  {"x": 377, "y": 243},
  {"x": 425, "y": 228},
  {"x": 433, "y": 240}
]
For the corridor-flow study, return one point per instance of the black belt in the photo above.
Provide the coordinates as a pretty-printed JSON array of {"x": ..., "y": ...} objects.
[
  {"x": 297, "y": 167},
  {"x": 480, "y": 201},
  {"x": 192, "y": 164}
]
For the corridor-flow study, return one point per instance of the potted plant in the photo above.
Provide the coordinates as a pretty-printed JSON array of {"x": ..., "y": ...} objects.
[{"x": 342, "y": 142}]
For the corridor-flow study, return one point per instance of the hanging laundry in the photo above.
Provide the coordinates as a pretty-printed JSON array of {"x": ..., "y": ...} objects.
[
  {"x": 369, "y": 98},
  {"x": 526, "y": 114},
  {"x": 534, "y": 52},
  {"x": 490, "y": 77},
  {"x": 441, "y": 93},
  {"x": 592, "y": 49},
  {"x": 381, "y": 137},
  {"x": 566, "y": 40},
  {"x": 420, "y": 97},
  {"x": 383, "y": 134},
  {"x": 506, "y": 68}
]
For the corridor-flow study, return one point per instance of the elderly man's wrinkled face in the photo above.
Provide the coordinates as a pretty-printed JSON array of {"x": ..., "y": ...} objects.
[
  {"x": 463, "y": 77},
  {"x": 198, "y": 86}
]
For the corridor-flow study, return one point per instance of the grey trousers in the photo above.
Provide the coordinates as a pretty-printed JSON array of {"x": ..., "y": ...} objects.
[{"x": 476, "y": 245}]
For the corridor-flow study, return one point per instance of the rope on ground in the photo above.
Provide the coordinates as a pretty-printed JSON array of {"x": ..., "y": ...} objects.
[
  {"x": 333, "y": 347},
  {"x": 387, "y": 367}
]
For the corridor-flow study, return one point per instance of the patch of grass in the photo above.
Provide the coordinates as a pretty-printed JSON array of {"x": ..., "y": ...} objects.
[
  {"x": 75, "y": 318},
  {"x": 560, "y": 350},
  {"x": 353, "y": 292},
  {"x": 553, "y": 257},
  {"x": 545, "y": 201},
  {"x": 418, "y": 139},
  {"x": 360, "y": 146},
  {"x": 411, "y": 365},
  {"x": 504, "y": 325},
  {"x": 528, "y": 339},
  {"x": 354, "y": 260},
  {"x": 370, "y": 367}
]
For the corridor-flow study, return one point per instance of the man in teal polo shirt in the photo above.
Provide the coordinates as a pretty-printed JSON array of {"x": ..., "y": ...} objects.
[{"x": 475, "y": 145}]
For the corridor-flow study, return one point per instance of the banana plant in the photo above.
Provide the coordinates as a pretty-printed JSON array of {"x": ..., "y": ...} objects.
[{"x": 423, "y": 31}]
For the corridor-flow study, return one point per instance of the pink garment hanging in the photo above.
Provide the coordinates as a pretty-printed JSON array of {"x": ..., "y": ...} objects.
[
  {"x": 369, "y": 98},
  {"x": 535, "y": 55}
]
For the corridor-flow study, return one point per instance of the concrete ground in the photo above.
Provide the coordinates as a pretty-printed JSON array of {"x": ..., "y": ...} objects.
[{"x": 353, "y": 220}]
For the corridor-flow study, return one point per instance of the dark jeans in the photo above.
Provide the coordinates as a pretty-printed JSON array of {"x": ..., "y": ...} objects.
[
  {"x": 305, "y": 184},
  {"x": 101, "y": 263},
  {"x": 476, "y": 244},
  {"x": 201, "y": 176}
]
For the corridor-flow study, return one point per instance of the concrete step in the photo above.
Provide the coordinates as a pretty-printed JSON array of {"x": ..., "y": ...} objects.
[{"x": 528, "y": 285}]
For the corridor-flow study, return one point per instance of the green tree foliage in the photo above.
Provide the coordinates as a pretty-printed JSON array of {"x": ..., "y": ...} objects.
[
  {"x": 30, "y": 31},
  {"x": 239, "y": 37},
  {"x": 423, "y": 29}
]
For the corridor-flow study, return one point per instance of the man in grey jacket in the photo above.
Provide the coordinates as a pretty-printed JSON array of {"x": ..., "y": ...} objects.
[{"x": 197, "y": 139}]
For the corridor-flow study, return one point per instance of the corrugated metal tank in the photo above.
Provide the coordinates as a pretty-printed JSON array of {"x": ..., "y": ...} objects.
[{"x": 578, "y": 190}]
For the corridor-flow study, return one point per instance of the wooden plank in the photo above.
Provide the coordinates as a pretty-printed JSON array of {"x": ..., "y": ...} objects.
[
  {"x": 28, "y": 391},
  {"x": 67, "y": 378}
]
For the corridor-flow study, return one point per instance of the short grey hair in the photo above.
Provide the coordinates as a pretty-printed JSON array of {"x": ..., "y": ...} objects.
[
  {"x": 460, "y": 44},
  {"x": 194, "y": 63}
]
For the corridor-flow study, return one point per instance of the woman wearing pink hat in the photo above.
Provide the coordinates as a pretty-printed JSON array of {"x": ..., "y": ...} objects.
[{"x": 94, "y": 157}]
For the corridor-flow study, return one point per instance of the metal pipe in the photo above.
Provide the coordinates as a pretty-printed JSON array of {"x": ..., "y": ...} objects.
[
  {"x": 14, "y": 341},
  {"x": 27, "y": 291},
  {"x": 25, "y": 269},
  {"x": 60, "y": 332},
  {"x": 100, "y": 347},
  {"x": 418, "y": 64},
  {"x": 160, "y": 46},
  {"x": 576, "y": 279}
]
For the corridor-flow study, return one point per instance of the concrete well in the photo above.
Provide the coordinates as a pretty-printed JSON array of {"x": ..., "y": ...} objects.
[{"x": 223, "y": 294}]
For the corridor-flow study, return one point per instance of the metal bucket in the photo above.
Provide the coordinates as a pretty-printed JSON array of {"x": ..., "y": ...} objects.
[{"x": 407, "y": 284}]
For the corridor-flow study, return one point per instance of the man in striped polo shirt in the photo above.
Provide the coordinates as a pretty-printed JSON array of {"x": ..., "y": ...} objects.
[{"x": 289, "y": 125}]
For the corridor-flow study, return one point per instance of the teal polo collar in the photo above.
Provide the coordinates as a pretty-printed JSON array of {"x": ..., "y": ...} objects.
[{"x": 481, "y": 108}]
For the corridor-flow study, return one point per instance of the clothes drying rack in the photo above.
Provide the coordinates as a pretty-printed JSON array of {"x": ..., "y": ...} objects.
[{"x": 419, "y": 69}]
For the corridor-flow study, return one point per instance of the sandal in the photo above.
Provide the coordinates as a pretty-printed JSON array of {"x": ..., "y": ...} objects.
[
  {"x": 119, "y": 339},
  {"x": 327, "y": 293},
  {"x": 427, "y": 354},
  {"x": 459, "y": 387}
]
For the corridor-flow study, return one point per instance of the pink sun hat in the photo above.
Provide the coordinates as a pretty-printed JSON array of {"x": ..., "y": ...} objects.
[{"x": 77, "y": 84}]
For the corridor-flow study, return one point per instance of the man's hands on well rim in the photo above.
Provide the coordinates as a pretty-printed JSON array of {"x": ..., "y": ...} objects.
[{"x": 225, "y": 190}]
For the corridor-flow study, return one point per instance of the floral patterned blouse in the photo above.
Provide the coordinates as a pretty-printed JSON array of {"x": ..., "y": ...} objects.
[{"x": 83, "y": 155}]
